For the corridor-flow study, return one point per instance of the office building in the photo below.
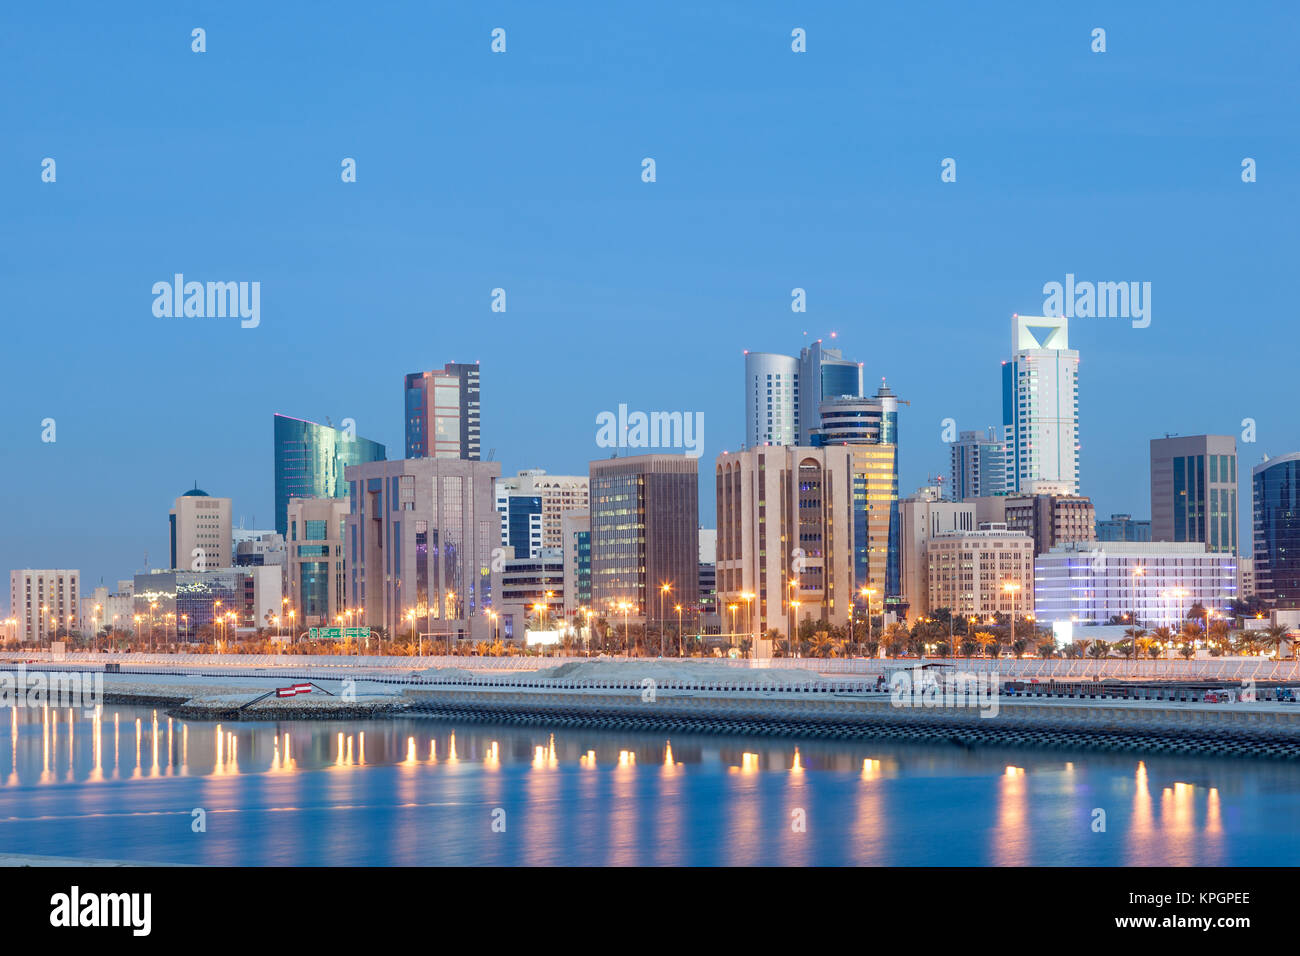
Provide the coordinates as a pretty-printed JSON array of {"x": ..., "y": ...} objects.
[
  {"x": 1149, "y": 584},
  {"x": 442, "y": 412},
  {"x": 771, "y": 399},
  {"x": 977, "y": 467},
  {"x": 1194, "y": 481},
  {"x": 316, "y": 571},
  {"x": 532, "y": 594},
  {"x": 532, "y": 506},
  {"x": 925, "y": 516},
  {"x": 200, "y": 532},
  {"x": 824, "y": 375},
  {"x": 421, "y": 534},
  {"x": 47, "y": 604},
  {"x": 1040, "y": 404},
  {"x": 1123, "y": 528},
  {"x": 1050, "y": 519},
  {"x": 575, "y": 537},
  {"x": 644, "y": 533},
  {"x": 310, "y": 459},
  {"x": 981, "y": 573},
  {"x": 1275, "y": 485},
  {"x": 260, "y": 549},
  {"x": 785, "y": 535}
]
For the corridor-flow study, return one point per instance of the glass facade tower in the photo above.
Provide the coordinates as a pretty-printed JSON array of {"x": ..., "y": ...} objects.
[
  {"x": 1276, "y": 487},
  {"x": 309, "y": 462}
]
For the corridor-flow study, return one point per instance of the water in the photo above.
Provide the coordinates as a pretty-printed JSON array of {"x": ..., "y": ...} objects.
[{"x": 423, "y": 792}]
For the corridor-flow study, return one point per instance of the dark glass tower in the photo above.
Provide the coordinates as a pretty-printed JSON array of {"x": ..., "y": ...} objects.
[
  {"x": 309, "y": 462},
  {"x": 1277, "y": 530}
]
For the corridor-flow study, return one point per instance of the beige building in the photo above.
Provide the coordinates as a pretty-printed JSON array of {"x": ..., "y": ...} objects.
[
  {"x": 1046, "y": 513},
  {"x": 559, "y": 494},
  {"x": 46, "y": 604},
  {"x": 925, "y": 516},
  {"x": 200, "y": 532},
  {"x": 316, "y": 567},
  {"x": 968, "y": 569},
  {"x": 785, "y": 533},
  {"x": 424, "y": 531},
  {"x": 1245, "y": 578}
]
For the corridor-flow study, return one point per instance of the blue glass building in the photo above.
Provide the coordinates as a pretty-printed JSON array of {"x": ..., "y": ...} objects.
[
  {"x": 309, "y": 462},
  {"x": 1276, "y": 486}
]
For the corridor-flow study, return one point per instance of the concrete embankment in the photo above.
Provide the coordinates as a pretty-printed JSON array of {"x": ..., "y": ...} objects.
[{"x": 1259, "y": 730}]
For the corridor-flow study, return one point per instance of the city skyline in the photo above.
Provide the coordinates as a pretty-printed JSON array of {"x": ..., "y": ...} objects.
[{"x": 607, "y": 276}]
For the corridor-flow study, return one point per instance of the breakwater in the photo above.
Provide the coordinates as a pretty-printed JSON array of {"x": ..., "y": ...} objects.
[{"x": 1262, "y": 731}]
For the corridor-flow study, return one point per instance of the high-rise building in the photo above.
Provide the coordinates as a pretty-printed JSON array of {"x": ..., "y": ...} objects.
[
  {"x": 824, "y": 375},
  {"x": 869, "y": 426},
  {"x": 771, "y": 399},
  {"x": 1123, "y": 528},
  {"x": 978, "y": 466},
  {"x": 47, "y": 603},
  {"x": 532, "y": 506},
  {"x": 526, "y": 584},
  {"x": 442, "y": 412},
  {"x": 1040, "y": 404},
  {"x": 317, "y": 581},
  {"x": 309, "y": 462},
  {"x": 421, "y": 534},
  {"x": 785, "y": 535},
  {"x": 200, "y": 532},
  {"x": 1245, "y": 578},
  {"x": 644, "y": 533},
  {"x": 926, "y": 516},
  {"x": 1194, "y": 483},
  {"x": 1275, "y": 485},
  {"x": 1148, "y": 584},
  {"x": 982, "y": 572}
]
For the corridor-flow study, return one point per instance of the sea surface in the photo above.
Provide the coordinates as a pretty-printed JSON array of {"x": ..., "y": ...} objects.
[{"x": 135, "y": 785}]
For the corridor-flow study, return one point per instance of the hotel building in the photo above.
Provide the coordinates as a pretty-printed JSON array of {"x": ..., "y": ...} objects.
[{"x": 1040, "y": 405}]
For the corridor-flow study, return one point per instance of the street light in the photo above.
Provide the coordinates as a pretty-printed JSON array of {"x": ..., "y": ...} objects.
[
  {"x": 1011, "y": 587},
  {"x": 679, "y": 631},
  {"x": 663, "y": 594}
]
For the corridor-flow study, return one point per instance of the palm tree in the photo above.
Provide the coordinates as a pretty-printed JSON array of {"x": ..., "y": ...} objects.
[
  {"x": 895, "y": 638},
  {"x": 1099, "y": 650},
  {"x": 1135, "y": 636},
  {"x": 1273, "y": 637},
  {"x": 984, "y": 640},
  {"x": 1163, "y": 636}
]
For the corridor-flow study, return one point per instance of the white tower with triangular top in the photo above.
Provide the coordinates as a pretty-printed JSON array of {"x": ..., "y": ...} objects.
[{"x": 1040, "y": 405}]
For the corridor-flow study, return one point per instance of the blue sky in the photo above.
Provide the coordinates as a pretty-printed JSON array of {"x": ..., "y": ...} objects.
[{"x": 522, "y": 170}]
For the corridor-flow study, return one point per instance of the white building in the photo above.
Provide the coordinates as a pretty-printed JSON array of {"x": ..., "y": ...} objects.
[
  {"x": 983, "y": 572},
  {"x": 46, "y": 603},
  {"x": 1040, "y": 404},
  {"x": 1153, "y": 583},
  {"x": 771, "y": 399},
  {"x": 554, "y": 496}
]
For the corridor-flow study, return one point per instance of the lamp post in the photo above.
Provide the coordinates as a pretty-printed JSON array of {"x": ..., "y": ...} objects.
[
  {"x": 1011, "y": 587},
  {"x": 663, "y": 594},
  {"x": 747, "y": 597},
  {"x": 794, "y": 613},
  {"x": 679, "y": 631}
]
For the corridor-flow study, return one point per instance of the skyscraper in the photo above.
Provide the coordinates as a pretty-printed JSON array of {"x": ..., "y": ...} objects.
[
  {"x": 1194, "y": 485},
  {"x": 532, "y": 505},
  {"x": 1276, "y": 487},
  {"x": 978, "y": 466},
  {"x": 1040, "y": 404},
  {"x": 870, "y": 427},
  {"x": 644, "y": 533},
  {"x": 771, "y": 399},
  {"x": 442, "y": 413},
  {"x": 309, "y": 462},
  {"x": 823, "y": 374}
]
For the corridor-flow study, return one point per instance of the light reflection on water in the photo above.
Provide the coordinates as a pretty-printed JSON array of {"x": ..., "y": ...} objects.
[{"x": 123, "y": 784}]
